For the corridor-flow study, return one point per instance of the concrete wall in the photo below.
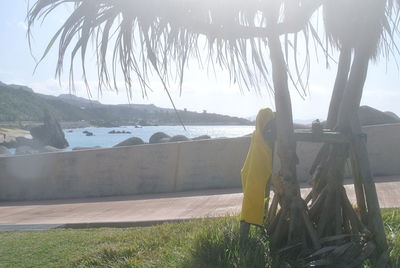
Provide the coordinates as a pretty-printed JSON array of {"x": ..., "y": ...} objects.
[
  {"x": 383, "y": 145},
  {"x": 161, "y": 167},
  {"x": 126, "y": 170}
]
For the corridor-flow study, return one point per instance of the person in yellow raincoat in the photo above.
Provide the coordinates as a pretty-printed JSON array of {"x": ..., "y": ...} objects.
[{"x": 256, "y": 171}]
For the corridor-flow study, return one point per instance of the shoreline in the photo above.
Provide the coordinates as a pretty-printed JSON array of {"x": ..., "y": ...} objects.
[
  {"x": 26, "y": 125},
  {"x": 14, "y": 137}
]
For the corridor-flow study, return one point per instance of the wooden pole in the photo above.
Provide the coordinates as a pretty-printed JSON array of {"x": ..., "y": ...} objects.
[
  {"x": 291, "y": 217},
  {"x": 375, "y": 221},
  {"x": 358, "y": 187},
  {"x": 340, "y": 84}
]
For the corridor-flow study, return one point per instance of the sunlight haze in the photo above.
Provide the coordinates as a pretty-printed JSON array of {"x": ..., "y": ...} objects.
[{"x": 201, "y": 91}]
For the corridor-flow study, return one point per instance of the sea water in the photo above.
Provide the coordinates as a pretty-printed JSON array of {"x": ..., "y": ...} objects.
[{"x": 101, "y": 136}]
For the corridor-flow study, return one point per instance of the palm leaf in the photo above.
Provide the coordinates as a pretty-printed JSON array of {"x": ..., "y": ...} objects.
[{"x": 236, "y": 37}]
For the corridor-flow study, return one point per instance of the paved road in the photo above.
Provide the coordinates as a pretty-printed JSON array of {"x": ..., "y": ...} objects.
[{"x": 142, "y": 210}]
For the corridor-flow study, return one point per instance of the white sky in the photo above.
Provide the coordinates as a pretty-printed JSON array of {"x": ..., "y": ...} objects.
[{"x": 200, "y": 91}]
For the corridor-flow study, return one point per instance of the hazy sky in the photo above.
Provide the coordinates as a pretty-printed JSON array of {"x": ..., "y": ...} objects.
[{"x": 200, "y": 91}]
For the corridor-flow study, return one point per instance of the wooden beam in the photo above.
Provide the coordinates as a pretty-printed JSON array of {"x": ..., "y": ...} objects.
[
  {"x": 374, "y": 213},
  {"x": 244, "y": 230},
  {"x": 324, "y": 137},
  {"x": 359, "y": 147},
  {"x": 358, "y": 187}
]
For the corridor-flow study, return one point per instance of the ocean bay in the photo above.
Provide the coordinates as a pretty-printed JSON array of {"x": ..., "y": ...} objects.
[{"x": 102, "y": 138}]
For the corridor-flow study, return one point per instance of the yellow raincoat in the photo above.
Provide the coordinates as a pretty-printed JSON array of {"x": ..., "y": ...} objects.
[{"x": 256, "y": 172}]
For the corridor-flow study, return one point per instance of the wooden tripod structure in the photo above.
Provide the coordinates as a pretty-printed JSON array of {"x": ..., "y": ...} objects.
[
  {"x": 361, "y": 231},
  {"x": 368, "y": 221},
  {"x": 363, "y": 224}
]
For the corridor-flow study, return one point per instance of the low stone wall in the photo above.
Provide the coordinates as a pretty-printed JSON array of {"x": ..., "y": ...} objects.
[{"x": 158, "y": 168}]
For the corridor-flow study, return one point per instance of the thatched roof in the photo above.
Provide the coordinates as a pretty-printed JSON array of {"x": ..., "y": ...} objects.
[{"x": 162, "y": 35}]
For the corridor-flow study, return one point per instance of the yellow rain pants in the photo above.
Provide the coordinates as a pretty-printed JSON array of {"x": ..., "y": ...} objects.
[{"x": 256, "y": 172}]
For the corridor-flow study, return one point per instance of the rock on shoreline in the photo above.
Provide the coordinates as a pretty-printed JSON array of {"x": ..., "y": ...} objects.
[
  {"x": 10, "y": 137},
  {"x": 49, "y": 133}
]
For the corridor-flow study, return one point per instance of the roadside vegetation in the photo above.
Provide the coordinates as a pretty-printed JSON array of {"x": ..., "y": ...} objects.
[{"x": 199, "y": 243}]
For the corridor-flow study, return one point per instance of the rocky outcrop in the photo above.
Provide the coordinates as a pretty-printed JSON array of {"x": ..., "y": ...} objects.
[
  {"x": 159, "y": 137},
  {"x": 13, "y": 137},
  {"x": 88, "y": 133},
  {"x": 179, "y": 138},
  {"x": 392, "y": 114},
  {"x": 119, "y": 132},
  {"x": 50, "y": 133},
  {"x": 130, "y": 142},
  {"x": 371, "y": 116}
]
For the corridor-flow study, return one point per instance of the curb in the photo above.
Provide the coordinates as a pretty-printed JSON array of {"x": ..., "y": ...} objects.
[{"x": 88, "y": 225}]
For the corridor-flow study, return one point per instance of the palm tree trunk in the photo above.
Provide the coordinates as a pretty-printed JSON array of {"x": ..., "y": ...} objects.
[
  {"x": 340, "y": 83},
  {"x": 344, "y": 107},
  {"x": 286, "y": 145},
  {"x": 348, "y": 121},
  {"x": 337, "y": 95},
  {"x": 353, "y": 91},
  {"x": 292, "y": 220},
  {"x": 343, "y": 99}
]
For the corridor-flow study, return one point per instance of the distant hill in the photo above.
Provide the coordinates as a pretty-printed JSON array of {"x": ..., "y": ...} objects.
[
  {"x": 371, "y": 116},
  {"x": 366, "y": 114},
  {"x": 74, "y": 100},
  {"x": 20, "y": 103},
  {"x": 392, "y": 114},
  {"x": 28, "y": 89}
]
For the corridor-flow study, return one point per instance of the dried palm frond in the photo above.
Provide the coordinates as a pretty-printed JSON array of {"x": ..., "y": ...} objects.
[
  {"x": 336, "y": 251},
  {"x": 346, "y": 254},
  {"x": 141, "y": 36},
  {"x": 371, "y": 24},
  {"x": 161, "y": 36}
]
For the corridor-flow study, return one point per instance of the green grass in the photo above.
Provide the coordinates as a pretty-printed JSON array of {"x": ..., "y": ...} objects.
[
  {"x": 201, "y": 243},
  {"x": 391, "y": 218}
]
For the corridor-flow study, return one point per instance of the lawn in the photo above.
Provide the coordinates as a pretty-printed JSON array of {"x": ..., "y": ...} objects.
[{"x": 200, "y": 243}]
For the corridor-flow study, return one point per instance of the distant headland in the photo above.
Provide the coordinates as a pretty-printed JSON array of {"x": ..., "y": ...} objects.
[{"x": 21, "y": 107}]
